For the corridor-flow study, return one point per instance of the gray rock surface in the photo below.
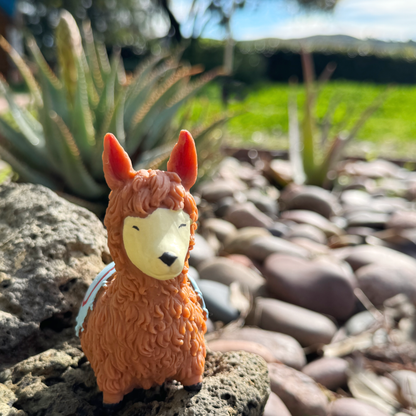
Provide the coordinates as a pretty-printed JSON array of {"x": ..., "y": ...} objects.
[
  {"x": 284, "y": 347},
  {"x": 63, "y": 383},
  {"x": 300, "y": 394},
  {"x": 324, "y": 287},
  {"x": 51, "y": 250}
]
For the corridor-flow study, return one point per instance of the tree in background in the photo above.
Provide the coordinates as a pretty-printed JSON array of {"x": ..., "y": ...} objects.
[
  {"x": 115, "y": 22},
  {"x": 134, "y": 22}
]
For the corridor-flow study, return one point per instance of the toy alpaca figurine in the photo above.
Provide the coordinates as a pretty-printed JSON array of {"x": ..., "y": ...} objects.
[{"x": 141, "y": 322}]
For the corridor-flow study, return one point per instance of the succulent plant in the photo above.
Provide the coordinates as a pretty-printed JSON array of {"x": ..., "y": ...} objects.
[
  {"x": 314, "y": 160},
  {"x": 58, "y": 140}
]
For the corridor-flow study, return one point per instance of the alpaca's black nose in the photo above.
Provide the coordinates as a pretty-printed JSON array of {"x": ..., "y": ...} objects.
[{"x": 168, "y": 258}]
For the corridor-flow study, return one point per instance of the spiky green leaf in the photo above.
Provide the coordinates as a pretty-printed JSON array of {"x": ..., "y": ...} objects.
[
  {"x": 75, "y": 172},
  {"x": 23, "y": 69}
]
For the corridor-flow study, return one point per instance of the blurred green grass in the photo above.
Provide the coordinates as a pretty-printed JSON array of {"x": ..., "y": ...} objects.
[{"x": 261, "y": 117}]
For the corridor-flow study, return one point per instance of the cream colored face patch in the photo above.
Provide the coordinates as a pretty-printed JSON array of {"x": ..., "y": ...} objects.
[{"x": 157, "y": 244}]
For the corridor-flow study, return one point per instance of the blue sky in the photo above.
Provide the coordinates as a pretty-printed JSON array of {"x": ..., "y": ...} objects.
[{"x": 379, "y": 19}]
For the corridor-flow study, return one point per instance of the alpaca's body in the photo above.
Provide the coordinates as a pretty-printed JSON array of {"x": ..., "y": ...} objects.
[
  {"x": 142, "y": 330},
  {"x": 144, "y": 349}
]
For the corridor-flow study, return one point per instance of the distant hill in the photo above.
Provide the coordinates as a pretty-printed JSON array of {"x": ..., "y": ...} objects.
[{"x": 334, "y": 44}]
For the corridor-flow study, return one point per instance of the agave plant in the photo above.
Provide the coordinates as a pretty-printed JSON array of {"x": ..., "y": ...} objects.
[
  {"x": 313, "y": 157},
  {"x": 58, "y": 140}
]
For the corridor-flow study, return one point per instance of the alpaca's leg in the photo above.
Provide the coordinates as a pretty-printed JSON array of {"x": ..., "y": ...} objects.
[
  {"x": 115, "y": 390},
  {"x": 190, "y": 375},
  {"x": 111, "y": 398}
]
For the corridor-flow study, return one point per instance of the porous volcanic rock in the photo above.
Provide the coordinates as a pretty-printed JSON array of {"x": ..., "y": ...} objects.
[
  {"x": 51, "y": 250},
  {"x": 63, "y": 383}
]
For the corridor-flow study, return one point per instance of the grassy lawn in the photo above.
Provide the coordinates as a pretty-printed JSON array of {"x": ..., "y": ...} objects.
[{"x": 261, "y": 117}]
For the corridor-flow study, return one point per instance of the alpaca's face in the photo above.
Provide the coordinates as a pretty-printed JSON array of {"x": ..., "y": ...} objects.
[{"x": 158, "y": 244}]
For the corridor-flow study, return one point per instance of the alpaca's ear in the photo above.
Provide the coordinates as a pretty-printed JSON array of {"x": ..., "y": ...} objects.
[
  {"x": 116, "y": 163},
  {"x": 183, "y": 160}
]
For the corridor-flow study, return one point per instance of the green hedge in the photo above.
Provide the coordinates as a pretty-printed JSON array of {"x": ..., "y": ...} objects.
[{"x": 256, "y": 61}]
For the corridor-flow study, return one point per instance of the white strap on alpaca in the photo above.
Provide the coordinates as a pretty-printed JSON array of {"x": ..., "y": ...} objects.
[{"x": 88, "y": 301}]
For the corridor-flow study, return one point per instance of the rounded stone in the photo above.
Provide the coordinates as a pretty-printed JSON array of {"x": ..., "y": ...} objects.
[
  {"x": 201, "y": 251},
  {"x": 279, "y": 229},
  {"x": 226, "y": 271},
  {"x": 275, "y": 407},
  {"x": 315, "y": 249},
  {"x": 330, "y": 372},
  {"x": 260, "y": 248},
  {"x": 312, "y": 218},
  {"x": 247, "y": 215},
  {"x": 402, "y": 220},
  {"x": 307, "y": 231},
  {"x": 193, "y": 273},
  {"x": 365, "y": 218},
  {"x": 359, "y": 323},
  {"x": 312, "y": 198},
  {"x": 324, "y": 287},
  {"x": 217, "y": 301},
  {"x": 355, "y": 197},
  {"x": 380, "y": 282},
  {"x": 363, "y": 255},
  {"x": 214, "y": 191},
  {"x": 283, "y": 347},
  {"x": 263, "y": 202},
  {"x": 307, "y": 327},
  {"x": 221, "y": 228},
  {"x": 352, "y": 407},
  {"x": 242, "y": 260},
  {"x": 227, "y": 345},
  {"x": 300, "y": 394},
  {"x": 222, "y": 206},
  {"x": 237, "y": 242}
]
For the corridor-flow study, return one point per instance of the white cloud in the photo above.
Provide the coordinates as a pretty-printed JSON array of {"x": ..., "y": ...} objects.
[{"x": 379, "y": 19}]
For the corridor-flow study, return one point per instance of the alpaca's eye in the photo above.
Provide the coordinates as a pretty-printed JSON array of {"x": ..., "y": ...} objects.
[
  {"x": 136, "y": 228},
  {"x": 182, "y": 225}
]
